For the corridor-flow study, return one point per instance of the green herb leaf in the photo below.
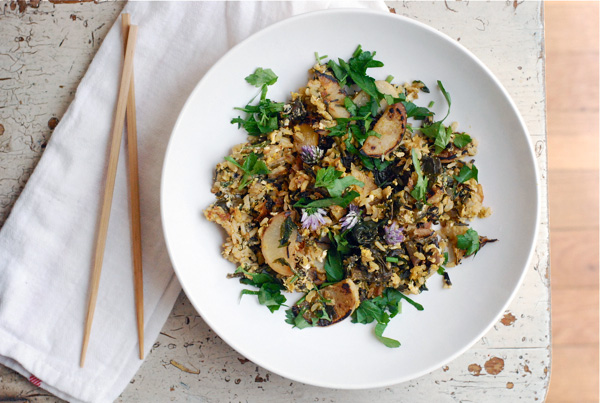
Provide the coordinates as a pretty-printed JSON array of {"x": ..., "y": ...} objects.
[
  {"x": 447, "y": 96},
  {"x": 269, "y": 293},
  {"x": 420, "y": 189},
  {"x": 468, "y": 242},
  {"x": 251, "y": 166},
  {"x": 467, "y": 173},
  {"x": 296, "y": 320},
  {"x": 287, "y": 228},
  {"x": 442, "y": 139},
  {"x": 413, "y": 303},
  {"x": 461, "y": 140},
  {"x": 342, "y": 201},
  {"x": 391, "y": 343},
  {"x": 350, "y": 106},
  {"x": 329, "y": 178},
  {"x": 333, "y": 266},
  {"x": 262, "y": 77},
  {"x": 339, "y": 73},
  {"x": 391, "y": 259},
  {"x": 416, "y": 112}
]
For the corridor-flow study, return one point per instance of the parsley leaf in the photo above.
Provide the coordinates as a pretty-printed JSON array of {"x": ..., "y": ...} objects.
[
  {"x": 252, "y": 166},
  {"x": 467, "y": 173},
  {"x": 262, "y": 77},
  {"x": 391, "y": 343},
  {"x": 296, "y": 320},
  {"x": 416, "y": 112},
  {"x": 263, "y": 117},
  {"x": 333, "y": 265},
  {"x": 329, "y": 178},
  {"x": 468, "y": 242},
  {"x": 342, "y": 201},
  {"x": 381, "y": 309},
  {"x": 436, "y": 130},
  {"x": 461, "y": 140},
  {"x": 269, "y": 293},
  {"x": 420, "y": 189}
]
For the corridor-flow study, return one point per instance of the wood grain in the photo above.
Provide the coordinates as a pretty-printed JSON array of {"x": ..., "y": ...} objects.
[
  {"x": 572, "y": 99},
  {"x": 111, "y": 173},
  {"x": 134, "y": 199},
  {"x": 574, "y": 258},
  {"x": 574, "y": 199}
]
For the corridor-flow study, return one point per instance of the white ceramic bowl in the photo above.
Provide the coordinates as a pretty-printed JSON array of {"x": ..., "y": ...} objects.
[{"x": 348, "y": 355}]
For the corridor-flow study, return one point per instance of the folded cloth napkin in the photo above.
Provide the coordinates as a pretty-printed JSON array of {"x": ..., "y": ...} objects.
[{"x": 46, "y": 245}]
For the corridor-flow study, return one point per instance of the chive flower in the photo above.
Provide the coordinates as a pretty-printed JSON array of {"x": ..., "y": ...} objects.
[
  {"x": 313, "y": 218},
  {"x": 311, "y": 154},
  {"x": 393, "y": 233},
  {"x": 351, "y": 218}
]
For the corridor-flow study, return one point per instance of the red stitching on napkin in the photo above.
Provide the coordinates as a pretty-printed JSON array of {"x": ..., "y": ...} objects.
[{"x": 35, "y": 381}]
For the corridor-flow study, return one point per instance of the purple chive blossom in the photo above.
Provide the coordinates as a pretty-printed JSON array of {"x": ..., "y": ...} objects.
[
  {"x": 311, "y": 154},
  {"x": 393, "y": 233},
  {"x": 313, "y": 218},
  {"x": 351, "y": 218}
]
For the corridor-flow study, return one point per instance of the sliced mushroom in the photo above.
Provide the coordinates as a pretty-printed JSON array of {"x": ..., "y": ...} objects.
[
  {"x": 279, "y": 258},
  {"x": 391, "y": 126},
  {"x": 333, "y": 95},
  {"x": 305, "y": 135}
]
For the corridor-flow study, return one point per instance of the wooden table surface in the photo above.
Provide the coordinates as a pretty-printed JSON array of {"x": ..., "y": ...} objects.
[{"x": 45, "y": 49}]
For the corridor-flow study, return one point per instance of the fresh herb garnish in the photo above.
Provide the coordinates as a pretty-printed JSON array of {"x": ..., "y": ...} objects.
[
  {"x": 262, "y": 77},
  {"x": 392, "y": 259},
  {"x": 437, "y": 131},
  {"x": 420, "y": 189},
  {"x": 382, "y": 309},
  {"x": 467, "y": 173},
  {"x": 333, "y": 265},
  {"x": 252, "y": 166},
  {"x": 355, "y": 71},
  {"x": 461, "y": 140},
  {"x": 269, "y": 293},
  {"x": 469, "y": 242},
  {"x": 342, "y": 201},
  {"x": 263, "y": 117},
  {"x": 329, "y": 178},
  {"x": 297, "y": 320},
  {"x": 416, "y": 112},
  {"x": 287, "y": 228}
]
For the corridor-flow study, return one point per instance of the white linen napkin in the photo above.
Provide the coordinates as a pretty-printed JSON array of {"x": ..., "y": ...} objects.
[{"x": 46, "y": 245}]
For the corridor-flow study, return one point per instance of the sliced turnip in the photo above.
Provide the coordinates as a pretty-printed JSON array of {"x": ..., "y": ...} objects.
[
  {"x": 391, "y": 126},
  {"x": 279, "y": 258},
  {"x": 333, "y": 96}
]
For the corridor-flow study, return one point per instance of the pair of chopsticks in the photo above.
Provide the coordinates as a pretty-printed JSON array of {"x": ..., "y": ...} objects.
[{"x": 125, "y": 105}]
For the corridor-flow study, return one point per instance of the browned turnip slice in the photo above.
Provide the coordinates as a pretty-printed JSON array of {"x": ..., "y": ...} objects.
[
  {"x": 305, "y": 135},
  {"x": 333, "y": 96},
  {"x": 344, "y": 296},
  {"x": 391, "y": 126},
  {"x": 279, "y": 258}
]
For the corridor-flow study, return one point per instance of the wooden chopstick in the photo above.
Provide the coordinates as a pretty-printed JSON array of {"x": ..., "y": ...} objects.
[
  {"x": 117, "y": 134},
  {"x": 134, "y": 194}
]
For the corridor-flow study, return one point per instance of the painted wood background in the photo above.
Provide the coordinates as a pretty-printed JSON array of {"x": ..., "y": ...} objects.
[{"x": 45, "y": 49}]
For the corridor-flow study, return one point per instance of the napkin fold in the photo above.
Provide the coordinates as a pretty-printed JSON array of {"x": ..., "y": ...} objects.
[{"x": 47, "y": 243}]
